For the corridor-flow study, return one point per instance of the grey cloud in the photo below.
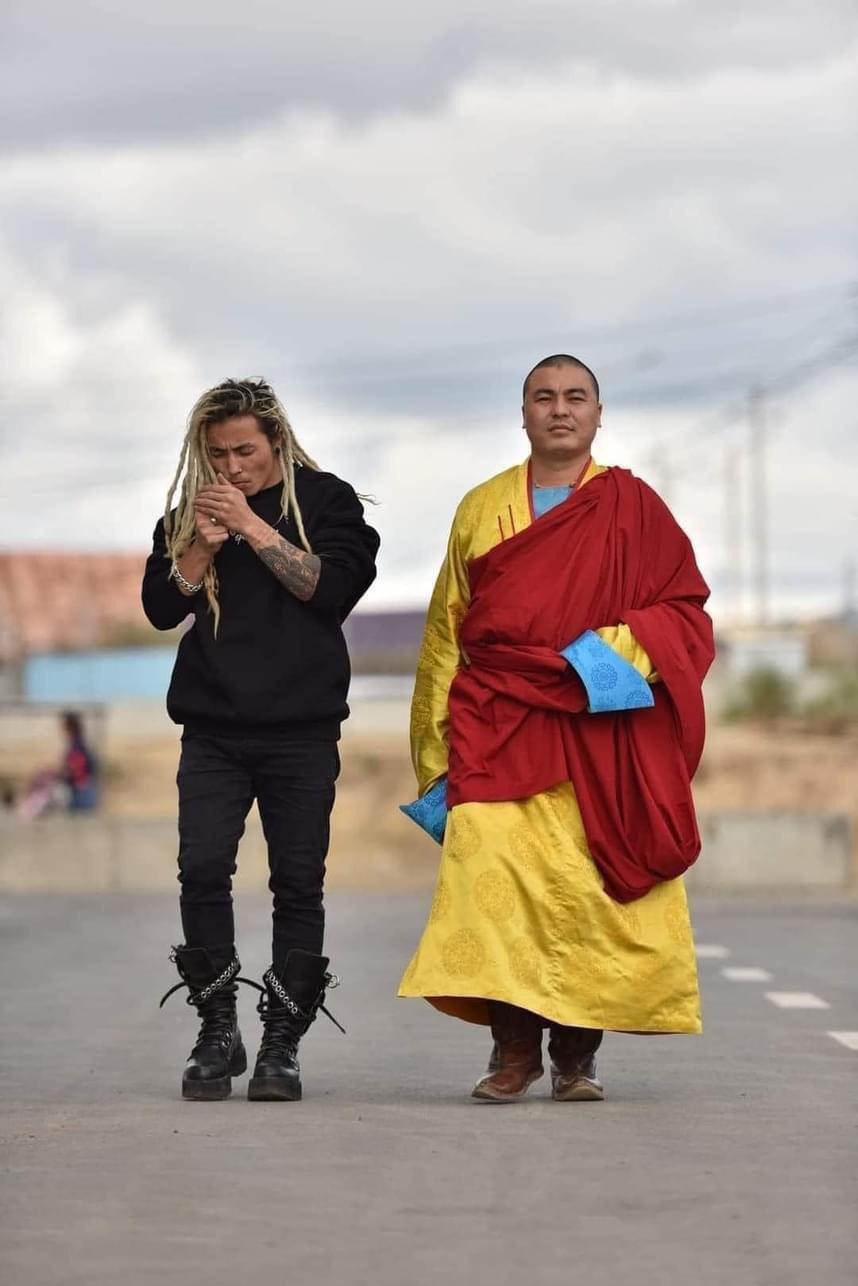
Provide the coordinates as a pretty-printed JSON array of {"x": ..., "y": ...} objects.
[
  {"x": 393, "y": 272},
  {"x": 395, "y": 276},
  {"x": 101, "y": 73}
]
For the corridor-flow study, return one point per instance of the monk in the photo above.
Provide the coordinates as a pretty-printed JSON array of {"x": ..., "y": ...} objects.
[{"x": 556, "y": 724}]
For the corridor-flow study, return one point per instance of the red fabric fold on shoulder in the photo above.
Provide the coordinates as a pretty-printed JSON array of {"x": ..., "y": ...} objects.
[{"x": 612, "y": 553}]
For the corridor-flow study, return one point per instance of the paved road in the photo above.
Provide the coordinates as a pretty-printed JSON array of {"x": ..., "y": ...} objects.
[{"x": 725, "y": 1160}]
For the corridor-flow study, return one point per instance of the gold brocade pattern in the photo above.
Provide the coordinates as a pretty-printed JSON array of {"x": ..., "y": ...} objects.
[
  {"x": 441, "y": 903},
  {"x": 519, "y": 912},
  {"x": 463, "y": 954},
  {"x": 464, "y": 839},
  {"x": 525, "y": 964},
  {"x": 495, "y": 896}
]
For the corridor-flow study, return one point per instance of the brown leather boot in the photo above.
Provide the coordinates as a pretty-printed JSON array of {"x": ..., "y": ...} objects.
[
  {"x": 573, "y": 1066},
  {"x": 516, "y": 1060}
]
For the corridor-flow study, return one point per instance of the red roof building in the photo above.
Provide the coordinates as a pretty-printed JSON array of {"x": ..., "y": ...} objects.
[{"x": 51, "y": 601}]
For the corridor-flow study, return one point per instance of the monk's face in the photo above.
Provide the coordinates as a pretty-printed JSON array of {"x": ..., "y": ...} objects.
[{"x": 561, "y": 412}]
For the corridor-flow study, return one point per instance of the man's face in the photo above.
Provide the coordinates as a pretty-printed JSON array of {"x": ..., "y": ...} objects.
[
  {"x": 561, "y": 412},
  {"x": 243, "y": 454}
]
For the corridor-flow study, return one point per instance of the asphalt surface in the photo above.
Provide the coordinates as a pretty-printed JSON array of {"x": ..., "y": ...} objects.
[{"x": 723, "y": 1160}]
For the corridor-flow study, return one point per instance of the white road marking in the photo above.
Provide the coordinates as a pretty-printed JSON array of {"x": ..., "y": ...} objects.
[
  {"x": 711, "y": 951},
  {"x": 847, "y": 1038},
  {"x": 737, "y": 973},
  {"x": 796, "y": 1000}
]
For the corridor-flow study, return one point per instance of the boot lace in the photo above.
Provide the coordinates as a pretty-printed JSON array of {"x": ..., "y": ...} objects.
[
  {"x": 215, "y": 1004},
  {"x": 218, "y": 1021},
  {"x": 285, "y": 1022}
]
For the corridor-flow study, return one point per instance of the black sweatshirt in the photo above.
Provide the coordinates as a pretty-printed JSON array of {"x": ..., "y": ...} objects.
[{"x": 278, "y": 667}]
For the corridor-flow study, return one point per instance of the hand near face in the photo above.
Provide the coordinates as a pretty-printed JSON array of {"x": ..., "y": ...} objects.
[
  {"x": 226, "y": 504},
  {"x": 210, "y": 535}
]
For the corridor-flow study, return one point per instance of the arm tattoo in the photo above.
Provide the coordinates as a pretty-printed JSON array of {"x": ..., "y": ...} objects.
[{"x": 297, "y": 570}]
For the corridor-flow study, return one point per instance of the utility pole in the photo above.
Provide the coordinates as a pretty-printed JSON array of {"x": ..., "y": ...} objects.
[
  {"x": 850, "y": 606},
  {"x": 732, "y": 536},
  {"x": 759, "y": 523}
]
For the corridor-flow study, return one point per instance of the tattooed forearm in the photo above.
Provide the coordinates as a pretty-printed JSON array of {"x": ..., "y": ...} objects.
[{"x": 297, "y": 570}]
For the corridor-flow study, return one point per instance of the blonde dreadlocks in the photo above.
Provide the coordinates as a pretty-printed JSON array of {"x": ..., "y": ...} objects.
[{"x": 224, "y": 402}]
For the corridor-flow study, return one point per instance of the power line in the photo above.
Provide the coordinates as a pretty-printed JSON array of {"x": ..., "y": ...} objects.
[{"x": 786, "y": 381}]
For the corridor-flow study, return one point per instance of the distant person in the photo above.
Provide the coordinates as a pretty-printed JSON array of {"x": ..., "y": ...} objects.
[
  {"x": 73, "y": 786},
  {"x": 270, "y": 554},
  {"x": 80, "y": 769},
  {"x": 558, "y": 716}
]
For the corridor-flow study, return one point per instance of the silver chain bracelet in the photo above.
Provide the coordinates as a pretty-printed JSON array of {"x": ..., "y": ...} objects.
[{"x": 188, "y": 586}]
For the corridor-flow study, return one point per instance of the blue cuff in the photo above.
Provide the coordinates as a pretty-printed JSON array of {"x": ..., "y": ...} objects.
[
  {"x": 611, "y": 683},
  {"x": 430, "y": 811}
]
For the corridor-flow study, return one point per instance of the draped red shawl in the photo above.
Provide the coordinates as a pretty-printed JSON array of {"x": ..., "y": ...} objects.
[{"x": 612, "y": 552}]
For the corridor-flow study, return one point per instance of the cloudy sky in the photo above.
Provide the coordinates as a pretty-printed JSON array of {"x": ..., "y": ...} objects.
[{"x": 392, "y": 212}]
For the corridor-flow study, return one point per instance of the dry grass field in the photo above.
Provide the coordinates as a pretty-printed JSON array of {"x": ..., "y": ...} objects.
[{"x": 745, "y": 767}]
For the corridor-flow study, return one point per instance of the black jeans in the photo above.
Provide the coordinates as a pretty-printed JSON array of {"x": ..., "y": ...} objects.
[{"x": 293, "y": 784}]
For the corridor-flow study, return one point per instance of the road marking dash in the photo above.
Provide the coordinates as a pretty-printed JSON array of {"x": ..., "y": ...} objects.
[
  {"x": 847, "y": 1038},
  {"x": 742, "y": 973},
  {"x": 711, "y": 951},
  {"x": 796, "y": 1000}
]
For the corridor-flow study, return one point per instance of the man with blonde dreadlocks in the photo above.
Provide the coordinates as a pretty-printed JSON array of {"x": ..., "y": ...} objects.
[{"x": 270, "y": 554}]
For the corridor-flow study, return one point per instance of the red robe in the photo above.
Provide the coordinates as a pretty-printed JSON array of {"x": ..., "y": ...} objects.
[{"x": 610, "y": 553}]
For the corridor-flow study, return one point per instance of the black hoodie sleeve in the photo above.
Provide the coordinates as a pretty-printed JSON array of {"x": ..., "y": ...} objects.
[
  {"x": 163, "y": 602},
  {"x": 346, "y": 545}
]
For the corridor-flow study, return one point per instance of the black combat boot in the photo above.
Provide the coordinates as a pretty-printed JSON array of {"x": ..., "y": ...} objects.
[
  {"x": 211, "y": 975},
  {"x": 293, "y": 997}
]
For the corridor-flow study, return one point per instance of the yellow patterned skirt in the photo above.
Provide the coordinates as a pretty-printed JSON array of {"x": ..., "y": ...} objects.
[{"x": 520, "y": 915}]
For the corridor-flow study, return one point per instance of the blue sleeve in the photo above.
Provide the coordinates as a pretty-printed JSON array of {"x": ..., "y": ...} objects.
[
  {"x": 430, "y": 811},
  {"x": 611, "y": 683}
]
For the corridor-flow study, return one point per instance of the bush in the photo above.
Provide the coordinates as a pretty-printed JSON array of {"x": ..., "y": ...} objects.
[
  {"x": 764, "y": 694},
  {"x": 836, "y": 711}
]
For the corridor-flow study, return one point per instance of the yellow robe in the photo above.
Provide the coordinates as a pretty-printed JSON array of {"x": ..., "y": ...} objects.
[{"x": 519, "y": 912}]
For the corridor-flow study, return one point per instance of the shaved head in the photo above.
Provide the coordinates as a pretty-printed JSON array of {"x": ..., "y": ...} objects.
[{"x": 560, "y": 359}]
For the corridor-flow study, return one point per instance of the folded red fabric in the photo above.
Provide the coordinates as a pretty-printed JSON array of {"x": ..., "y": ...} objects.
[{"x": 611, "y": 553}]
